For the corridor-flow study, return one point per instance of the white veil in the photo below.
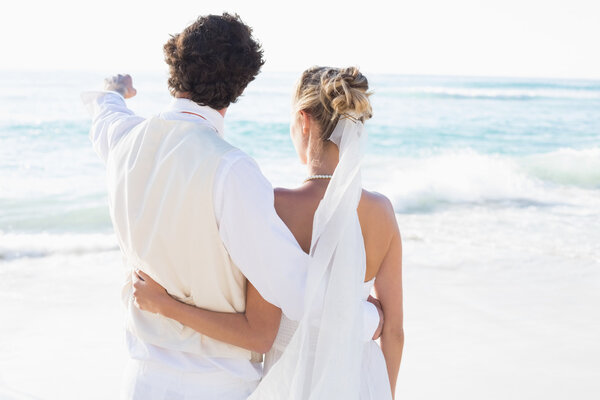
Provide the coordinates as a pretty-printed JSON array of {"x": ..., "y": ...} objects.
[{"x": 323, "y": 359}]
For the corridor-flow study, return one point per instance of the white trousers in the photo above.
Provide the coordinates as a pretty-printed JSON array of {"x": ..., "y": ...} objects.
[{"x": 152, "y": 381}]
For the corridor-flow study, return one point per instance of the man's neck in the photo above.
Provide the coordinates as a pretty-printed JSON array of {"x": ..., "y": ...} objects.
[{"x": 179, "y": 95}]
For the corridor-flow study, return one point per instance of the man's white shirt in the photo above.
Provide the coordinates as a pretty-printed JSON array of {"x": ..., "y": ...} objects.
[{"x": 257, "y": 240}]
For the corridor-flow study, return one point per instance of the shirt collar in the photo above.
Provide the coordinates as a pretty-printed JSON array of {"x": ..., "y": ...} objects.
[{"x": 211, "y": 116}]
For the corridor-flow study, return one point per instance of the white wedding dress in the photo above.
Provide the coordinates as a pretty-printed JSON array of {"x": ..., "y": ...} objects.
[
  {"x": 323, "y": 356},
  {"x": 374, "y": 378}
]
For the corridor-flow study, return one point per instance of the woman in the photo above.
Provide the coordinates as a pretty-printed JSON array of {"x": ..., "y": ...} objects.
[{"x": 355, "y": 244}]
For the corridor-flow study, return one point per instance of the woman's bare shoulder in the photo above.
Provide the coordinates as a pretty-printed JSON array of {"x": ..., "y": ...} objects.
[
  {"x": 376, "y": 211},
  {"x": 376, "y": 205}
]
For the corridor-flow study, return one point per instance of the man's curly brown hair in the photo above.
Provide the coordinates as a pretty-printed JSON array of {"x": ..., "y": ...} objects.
[{"x": 213, "y": 60}]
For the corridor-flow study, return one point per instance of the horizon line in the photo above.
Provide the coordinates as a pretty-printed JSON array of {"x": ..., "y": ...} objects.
[{"x": 290, "y": 71}]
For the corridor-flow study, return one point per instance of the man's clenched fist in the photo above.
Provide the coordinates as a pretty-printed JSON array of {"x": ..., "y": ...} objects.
[{"x": 122, "y": 84}]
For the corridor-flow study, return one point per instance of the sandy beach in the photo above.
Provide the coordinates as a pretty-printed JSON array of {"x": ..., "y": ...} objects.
[{"x": 470, "y": 333}]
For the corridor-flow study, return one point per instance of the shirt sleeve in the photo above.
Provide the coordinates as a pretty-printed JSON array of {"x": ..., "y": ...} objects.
[
  {"x": 111, "y": 120},
  {"x": 258, "y": 241}
]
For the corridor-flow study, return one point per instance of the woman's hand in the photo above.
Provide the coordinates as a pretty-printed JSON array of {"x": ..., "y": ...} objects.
[{"x": 149, "y": 295}]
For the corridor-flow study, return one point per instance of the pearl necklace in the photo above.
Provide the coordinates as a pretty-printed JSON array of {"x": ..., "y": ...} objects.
[{"x": 313, "y": 177}]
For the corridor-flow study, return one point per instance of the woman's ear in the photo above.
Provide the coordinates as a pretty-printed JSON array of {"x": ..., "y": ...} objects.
[{"x": 305, "y": 123}]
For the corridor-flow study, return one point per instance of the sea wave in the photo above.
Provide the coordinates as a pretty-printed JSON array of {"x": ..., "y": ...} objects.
[
  {"x": 566, "y": 167},
  {"x": 425, "y": 182},
  {"x": 492, "y": 93},
  {"x": 30, "y": 245},
  {"x": 464, "y": 177}
]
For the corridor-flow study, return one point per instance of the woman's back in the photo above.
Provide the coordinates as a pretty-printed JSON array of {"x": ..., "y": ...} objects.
[{"x": 296, "y": 207}]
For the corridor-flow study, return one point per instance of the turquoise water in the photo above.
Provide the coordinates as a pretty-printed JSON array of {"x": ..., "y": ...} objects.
[{"x": 436, "y": 143}]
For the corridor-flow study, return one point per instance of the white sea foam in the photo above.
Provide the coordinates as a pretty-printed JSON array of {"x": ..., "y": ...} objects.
[
  {"x": 565, "y": 177},
  {"x": 32, "y": 245},
  {"x": 566, "y": 167}
]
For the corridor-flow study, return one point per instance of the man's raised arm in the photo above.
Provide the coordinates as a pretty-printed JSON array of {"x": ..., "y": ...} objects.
[{"x": 111, "y": 119}]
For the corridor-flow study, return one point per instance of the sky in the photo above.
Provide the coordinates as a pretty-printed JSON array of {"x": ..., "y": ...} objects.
[{"x": 516, "y": 38}]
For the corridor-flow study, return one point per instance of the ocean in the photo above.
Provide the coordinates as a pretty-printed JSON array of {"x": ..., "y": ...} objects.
[{"x": 496, "y": 187}]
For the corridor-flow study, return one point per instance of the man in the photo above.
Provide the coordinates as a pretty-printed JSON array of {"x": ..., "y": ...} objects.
[{"x": 195, "y": 214}]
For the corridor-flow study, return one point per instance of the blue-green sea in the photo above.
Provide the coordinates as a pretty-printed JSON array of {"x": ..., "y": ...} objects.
[{"x": 435, "y": 143}]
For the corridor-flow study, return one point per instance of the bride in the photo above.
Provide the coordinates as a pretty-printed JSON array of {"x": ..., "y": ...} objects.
[{"x": 355, "y": 245}]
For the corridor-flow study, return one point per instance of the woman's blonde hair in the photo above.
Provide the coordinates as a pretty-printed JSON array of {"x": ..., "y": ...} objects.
[{"x": 327, "y": 93}]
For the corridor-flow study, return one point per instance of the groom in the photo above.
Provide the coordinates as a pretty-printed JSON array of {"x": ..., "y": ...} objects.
[{"x": 196, "y": 214}]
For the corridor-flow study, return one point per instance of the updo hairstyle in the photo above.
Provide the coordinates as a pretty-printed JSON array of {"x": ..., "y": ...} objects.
[{"x": 327, "y": 94}]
